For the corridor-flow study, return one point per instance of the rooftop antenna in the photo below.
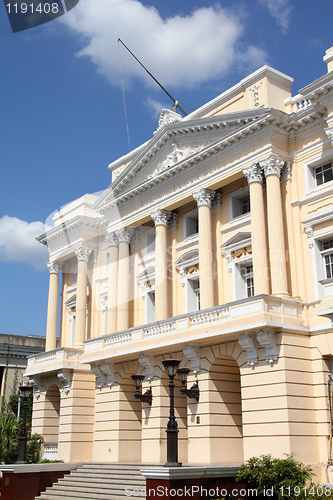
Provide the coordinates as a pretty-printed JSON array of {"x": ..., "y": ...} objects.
[{"x": 176, "y": 104}]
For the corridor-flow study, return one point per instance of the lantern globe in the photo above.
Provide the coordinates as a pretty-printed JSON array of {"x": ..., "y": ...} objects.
[
  {"x": 183, "y": 373},
  {"x": 138, "y": 379},
  {"x": 171, "y": 366}
]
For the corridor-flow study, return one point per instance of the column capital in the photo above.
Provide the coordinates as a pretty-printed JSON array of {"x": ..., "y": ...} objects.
[
  {"x": 253, "y": 173},
  {"x": 124, "y": 235},
  {"x": 83, "y": 254},
  {"x": 54, "y": 267},
  {"x": 136, "y": 236},
  {"x": 272, "y": 165},
  {"x": 204, "y": 197},
  {"x": 160, "y": 217},
  {"x": 173, "y": 221},
  {"x": 112, "y": 239}
]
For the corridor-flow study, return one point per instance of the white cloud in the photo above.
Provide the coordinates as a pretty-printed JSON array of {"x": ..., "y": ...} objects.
[
  {"x": 178, "y": 51},
  {"x": 18, "y": 242},
  {"x": 280, "y": 10},
  {"x": 155, "y": 107}
]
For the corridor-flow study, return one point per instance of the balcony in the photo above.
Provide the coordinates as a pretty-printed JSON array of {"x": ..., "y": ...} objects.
[
  {"x": 220, "y": 322},
  {"x": 53, "y": 361}
]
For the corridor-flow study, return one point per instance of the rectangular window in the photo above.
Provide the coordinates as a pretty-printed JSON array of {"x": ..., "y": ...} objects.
[
  {"x": 327, "y": 253},
  {"x": 245, "y": 205},
  {"x": 106, "y": 262},
  {"x": 150, "y": 240},
  {"x": 150, "y": 307},
  {"x": 324, "y": 174},
  {"x": 248, "y": 281},
  {"x": 191, "y": 224}
]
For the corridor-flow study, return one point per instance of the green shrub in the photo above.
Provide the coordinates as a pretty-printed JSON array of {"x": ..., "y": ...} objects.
[
  {"x": 282, "y": 477},
  {"x": 9, "y": 433}
]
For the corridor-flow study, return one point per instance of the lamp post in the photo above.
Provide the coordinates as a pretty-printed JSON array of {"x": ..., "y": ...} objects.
[
  {"x": 25, "y": 391},
  {"x": 171, "y": 366}
]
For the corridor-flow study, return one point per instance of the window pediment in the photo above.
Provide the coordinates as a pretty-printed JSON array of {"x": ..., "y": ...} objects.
[{"x": 188, "y": 264}]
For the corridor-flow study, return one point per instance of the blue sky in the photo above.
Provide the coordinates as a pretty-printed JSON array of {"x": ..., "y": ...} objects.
[{"x": 62, "y": 113}]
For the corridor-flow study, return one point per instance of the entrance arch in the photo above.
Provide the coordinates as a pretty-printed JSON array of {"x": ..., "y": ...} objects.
[
  {"x": 225, "y": 411},
  {"x": 130, "y": 422},
  {"x": 51, "y": 422}
]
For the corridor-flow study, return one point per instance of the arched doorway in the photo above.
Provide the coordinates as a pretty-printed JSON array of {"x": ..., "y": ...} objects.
[
  {"x": 51, "y": 422},
  {"x": 225, "y": 411}
]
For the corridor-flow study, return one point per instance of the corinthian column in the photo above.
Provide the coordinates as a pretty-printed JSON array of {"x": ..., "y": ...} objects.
[
  {"x": 204, "y": 198},
  {"x": 52, "y": 306},
  {"x": 272, "y": 167},
  {"x": 258, "y": 230},
  {"x": 123, "y": 280},
  {"x": 82, "y": 255},
  {"x": 160, "y": 218},
  {"x": 112, "y": 283}
]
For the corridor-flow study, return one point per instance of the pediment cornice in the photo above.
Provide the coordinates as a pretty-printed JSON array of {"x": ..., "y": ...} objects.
[
  {"x": 82, "y": 222},
  {"x": 285, "y": 126}
]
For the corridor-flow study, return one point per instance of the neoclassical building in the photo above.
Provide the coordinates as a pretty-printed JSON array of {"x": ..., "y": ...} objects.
[{"x": 213, "y": 244}]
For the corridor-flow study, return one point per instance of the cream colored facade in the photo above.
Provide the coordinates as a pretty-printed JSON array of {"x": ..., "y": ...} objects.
[{"x": 214, "y": 243}]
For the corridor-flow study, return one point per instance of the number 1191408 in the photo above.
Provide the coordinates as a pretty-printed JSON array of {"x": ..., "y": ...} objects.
[{"x": 31, "y": 8}]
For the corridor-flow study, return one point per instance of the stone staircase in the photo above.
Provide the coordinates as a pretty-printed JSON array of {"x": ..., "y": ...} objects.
[{"x": 98, "y": 482}]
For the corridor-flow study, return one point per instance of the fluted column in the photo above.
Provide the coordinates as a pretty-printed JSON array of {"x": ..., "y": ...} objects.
[
  {"x": 272, "y": 167},
  {"x": 258, "y": 230},
  {"x": 160, "y": 218},
  {"x": 204, "y": 198},
  {"x": 113, "y": 282},
  {"x": 52, "y": 306},
  {"x": 123, "y": 280},
  {"x": 82, "y": 255}
]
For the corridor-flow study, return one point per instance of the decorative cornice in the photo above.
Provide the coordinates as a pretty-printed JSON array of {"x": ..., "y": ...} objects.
[
  {"x": 136, "y": 237},
  {"x": 217, "y": 202},
  {"x": 192, "y": 352},
  {"x": 268, "y": 340},
  {"x": 329, "y": 133},
  {"x": 124, "y": 235},
  {"x": 35, "y": 381},
  {"x": 272, "y": 165},
  {"x": 173, "y": 221},
  {"x": 253, "y": 173},
  {"x": 54, "y": 267},
  {"x": 249, "y": 344},
  {"x": 147, "y": 360},
  {"x": 83, "y": 254},
  {"x": 204, "y": 197},
  {"x": 112, "y": 239},
  {"x": 166, "y": 117},
  {"x": 65, "y": 378},
  {"x": 160, "y": 217},
  {"x": 95, "y": 368},
  {"x": 108, "y": 370}
]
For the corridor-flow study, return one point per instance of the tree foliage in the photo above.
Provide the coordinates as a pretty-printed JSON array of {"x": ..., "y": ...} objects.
[{"x": 276, "y": 474}]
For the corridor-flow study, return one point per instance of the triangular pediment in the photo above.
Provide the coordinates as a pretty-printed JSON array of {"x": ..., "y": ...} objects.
[
  {"x": 240, "y": 238},
  {"x": 175, "y": 145}
]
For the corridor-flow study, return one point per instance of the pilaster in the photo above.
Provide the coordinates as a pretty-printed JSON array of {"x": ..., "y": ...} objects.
[
  {"x": 112, "y": 282},
  {"x": 160, "y": 218},
  {"x": 272, "y": 167},
  {"x": 82, "y": 255},
  {"x": 204, "y": 198},
  {"x": 52, "y": 306},
  {"x": 258, "y": 230}
]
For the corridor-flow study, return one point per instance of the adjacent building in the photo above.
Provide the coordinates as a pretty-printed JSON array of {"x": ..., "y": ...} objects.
[
  {"x": 213, "y": 244},
  {"x": 14, "y": 350}
]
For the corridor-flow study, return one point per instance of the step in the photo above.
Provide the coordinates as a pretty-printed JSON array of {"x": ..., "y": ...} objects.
[{"x": 98, "y": 481}]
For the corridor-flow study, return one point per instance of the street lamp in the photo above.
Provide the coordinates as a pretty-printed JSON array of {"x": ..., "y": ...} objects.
[
  {"x": 193, "y": 392},
  {"x": 171, "y": 366},
  {"x": 147, "y": 397},
  {"x": 25, "y": 391}
]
